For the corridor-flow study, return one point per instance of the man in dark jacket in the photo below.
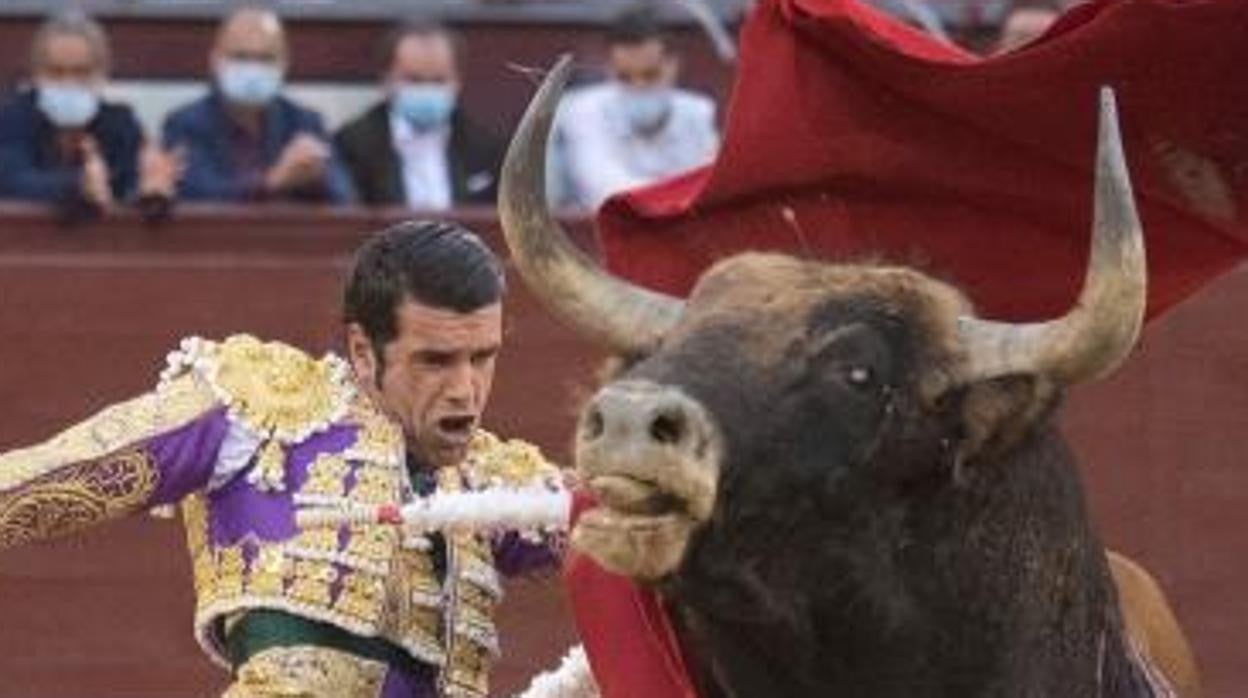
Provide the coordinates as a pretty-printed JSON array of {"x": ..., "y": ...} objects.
[
  {"x": 417, "y": 147},
  {"x": 244, "y": 141},
  {"x": 60, "y": 142}
]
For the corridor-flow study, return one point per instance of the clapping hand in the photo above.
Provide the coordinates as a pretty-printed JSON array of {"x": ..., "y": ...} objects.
[{"x": 302, "y": 163}]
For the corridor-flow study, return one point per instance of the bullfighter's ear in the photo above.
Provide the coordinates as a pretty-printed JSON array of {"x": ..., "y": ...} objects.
[{"x": 999, "y": 412}]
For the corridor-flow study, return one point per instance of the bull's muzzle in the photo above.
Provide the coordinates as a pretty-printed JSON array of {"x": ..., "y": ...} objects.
[{"x": 645, "y": 448}]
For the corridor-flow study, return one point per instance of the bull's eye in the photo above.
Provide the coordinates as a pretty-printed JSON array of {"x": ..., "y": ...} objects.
[{"x": 859, "y": 376}]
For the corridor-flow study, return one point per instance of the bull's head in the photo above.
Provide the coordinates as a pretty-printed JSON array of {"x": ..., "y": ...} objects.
[{"x": 788, "y": 383}]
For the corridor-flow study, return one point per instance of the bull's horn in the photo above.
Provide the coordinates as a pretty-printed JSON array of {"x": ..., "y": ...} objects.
[
  {"x": 1099, "y": 332},
  {"x": 610, "y": 311}
]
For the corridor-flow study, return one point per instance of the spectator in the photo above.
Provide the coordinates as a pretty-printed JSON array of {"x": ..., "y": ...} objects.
[
  {"x": 636, "y": 127},
  {"x": 60, "y": 141},
  {"x": 418, "y": 146},
  {"x": 244, "y": 141},
  {"x": 1027, "y": 20}
]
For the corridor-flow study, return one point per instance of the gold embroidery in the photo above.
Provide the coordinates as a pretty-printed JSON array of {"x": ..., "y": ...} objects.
[
  {"x": 270, "y": 468},
  {"x": 379, "y": 440},
  {"x": 76, "y": 497},
  {"x": 195, "y": 520},
  {"x": 268, "y": 572},
  {"x": 468, "y": 673},
  {"x": 363, "y": 596},
  {"x": 109, "y": 431},
  {"x": 230, "y": 568},
  {"x": 514, "y": 463},
  {"x": 326, "y": 477},
  {"x": 203, "y": 565},
  {"x": 475, "y": 598},
  {"x": 374, "y": 485},
  {"x": 376, "y": 543},
  {"x": 317, "y": 540},
  {"x": 308, "y": 672},
  {"x": 276, "y": 389},
  {"x": 312, "y": 582}
]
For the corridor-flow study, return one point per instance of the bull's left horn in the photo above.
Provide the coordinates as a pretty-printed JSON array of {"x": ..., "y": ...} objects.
[
  {"x": 1099, "y": 332},
  {"x": 610, "y": 311}
]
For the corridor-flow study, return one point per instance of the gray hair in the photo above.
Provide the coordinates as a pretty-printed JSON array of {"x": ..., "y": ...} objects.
[{"x": 72, "y": 24}]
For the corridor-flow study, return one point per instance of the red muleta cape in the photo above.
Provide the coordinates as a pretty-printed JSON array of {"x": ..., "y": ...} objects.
[{"x": 849, "y": 135}]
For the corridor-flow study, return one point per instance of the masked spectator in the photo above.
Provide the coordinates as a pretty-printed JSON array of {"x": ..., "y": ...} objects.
[
  {"x": 244, "y": 141},
  {"x": 636, "y": 127},
  {"x": 418, "y": 147},
  {"x": 60, "y": 141}
]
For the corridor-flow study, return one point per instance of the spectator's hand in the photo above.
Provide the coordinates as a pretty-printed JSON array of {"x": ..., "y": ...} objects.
[
  {"x": 159, "y": 171},
  {"x": 302, "y": 163},
  {"x": 94, "y": 181}
]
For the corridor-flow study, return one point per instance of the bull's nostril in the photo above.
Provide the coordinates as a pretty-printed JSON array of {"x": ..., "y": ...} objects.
[
  {"x": 592, "y": 426},
  {"x": 668, "y": 428}
]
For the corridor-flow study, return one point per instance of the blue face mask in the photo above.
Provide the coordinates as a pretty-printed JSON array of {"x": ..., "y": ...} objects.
[
  {"x": 425, "y": 105},
  {"x": 645, "y": 108},
  {"x": 249, "y": 83},
  {"x": 68, "y": 104}
]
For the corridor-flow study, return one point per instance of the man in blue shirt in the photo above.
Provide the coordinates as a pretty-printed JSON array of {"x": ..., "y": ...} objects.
[
  {"x": 244, "y": 141},
  {"x": 60, "y": 142}
]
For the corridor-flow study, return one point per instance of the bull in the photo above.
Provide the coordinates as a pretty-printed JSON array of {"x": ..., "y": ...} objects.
[{"x": 841, "y": 480}]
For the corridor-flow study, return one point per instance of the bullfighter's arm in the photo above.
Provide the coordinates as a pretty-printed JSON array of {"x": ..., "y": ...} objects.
[
  {"x": 222, "y": 409},
  {"x": 144, "y": 452}
]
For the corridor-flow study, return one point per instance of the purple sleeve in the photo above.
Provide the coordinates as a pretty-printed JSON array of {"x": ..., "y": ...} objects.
[
  {"x": 514, "y": 555},
  {"x": 121, "y": 461},
  {"x": 185, "y": 457}
]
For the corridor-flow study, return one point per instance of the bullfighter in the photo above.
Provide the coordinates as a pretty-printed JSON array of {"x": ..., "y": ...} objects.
[{"x": 246, "y": 434}]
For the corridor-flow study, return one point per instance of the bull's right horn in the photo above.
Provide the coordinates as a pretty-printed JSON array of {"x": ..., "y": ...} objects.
[
  {"x": 608, "y": 310},
  {"x": 1100, "y": 331}
]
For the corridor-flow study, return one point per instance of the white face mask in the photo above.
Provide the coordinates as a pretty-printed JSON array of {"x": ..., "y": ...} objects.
[
  {"x": 68, "y": 104},
  {"x": 249, "y": 83},
  {"x": 424, "y": 105},
  {"x": 645, "y": 108}
]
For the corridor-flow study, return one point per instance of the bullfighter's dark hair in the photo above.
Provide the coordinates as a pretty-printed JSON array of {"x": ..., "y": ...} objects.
[{"x": 436, "y": 263}]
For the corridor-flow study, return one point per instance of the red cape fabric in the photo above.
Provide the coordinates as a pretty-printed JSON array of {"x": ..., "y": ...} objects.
[
  {"x": 851, "y": 136},
  {"x": 628, "y": 640}
]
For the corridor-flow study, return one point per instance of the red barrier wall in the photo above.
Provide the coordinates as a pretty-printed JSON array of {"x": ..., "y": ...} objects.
[{"x": 87, "y": 315}]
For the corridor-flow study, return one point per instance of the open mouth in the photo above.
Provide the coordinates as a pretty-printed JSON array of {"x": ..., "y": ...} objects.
[
  {"x": 456, "y": 428},
  {"x": 629, "y": 499},
  {"x": 639, "y": 529}
]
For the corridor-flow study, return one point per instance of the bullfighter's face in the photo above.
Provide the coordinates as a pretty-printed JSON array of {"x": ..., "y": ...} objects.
[{"x": 435, "y": 376}]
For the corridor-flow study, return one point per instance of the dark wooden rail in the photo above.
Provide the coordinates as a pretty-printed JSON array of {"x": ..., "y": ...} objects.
[{"x": 87, "y": 314}]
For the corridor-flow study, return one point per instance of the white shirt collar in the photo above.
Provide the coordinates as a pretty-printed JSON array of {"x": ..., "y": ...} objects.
[{"x": 424, "y": 164}]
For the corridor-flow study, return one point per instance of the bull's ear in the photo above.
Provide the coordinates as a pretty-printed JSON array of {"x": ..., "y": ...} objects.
[{"x": 998, "y": 413}]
